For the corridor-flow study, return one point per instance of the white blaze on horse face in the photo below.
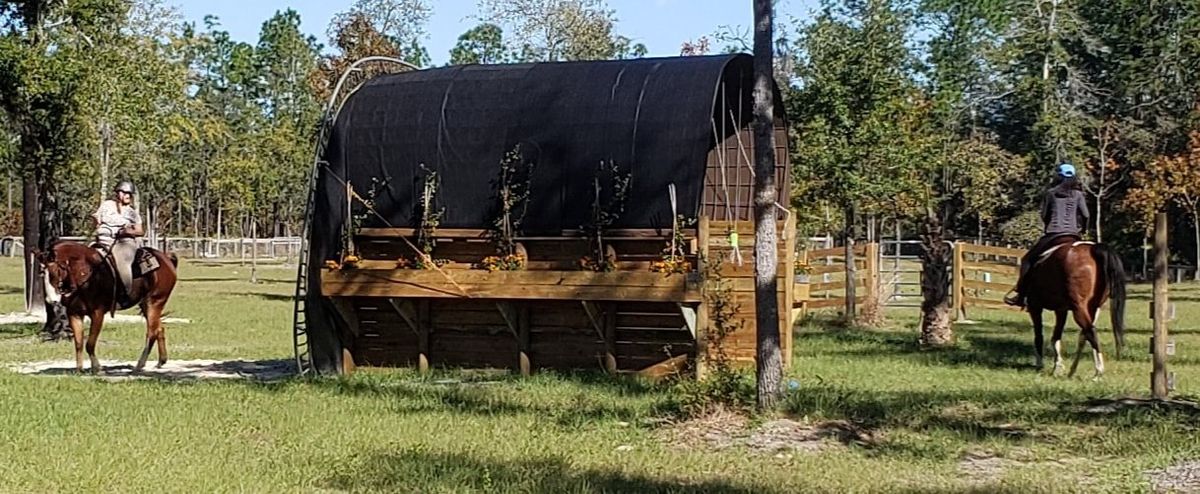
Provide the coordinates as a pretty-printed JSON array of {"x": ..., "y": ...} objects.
[{"x": 52, "y": 295}]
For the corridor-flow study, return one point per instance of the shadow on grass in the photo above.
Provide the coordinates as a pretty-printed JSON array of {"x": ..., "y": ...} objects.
[
  {"x": 272, "y": 297},
  {"x": 18, "y": 330},
  {"x": 584, "y": 398},
  {"x": 419, "y": 471},
  {"x": 10, "y": 290},
  {"x": 990, "y": 349}
]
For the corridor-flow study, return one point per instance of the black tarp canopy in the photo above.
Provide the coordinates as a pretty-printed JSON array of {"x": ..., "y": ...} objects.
[{"x": 656, "y": 118}]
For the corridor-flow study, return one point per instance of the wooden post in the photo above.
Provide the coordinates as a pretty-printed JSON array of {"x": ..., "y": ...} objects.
[
  {"x": 610, "y": 337},
  {"x": 788, "y": 259},
  {"x": 702, "y": 232},
  {"x": 523, "y": 323},
  {"x": 426, "y": 320},
  {"x": 957, "y": 275},
  {"x": 1158, "y": 377},
  {"x": 873, "y": 288}
]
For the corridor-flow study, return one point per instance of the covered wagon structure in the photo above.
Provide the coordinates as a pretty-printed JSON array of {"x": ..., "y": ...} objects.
[{"x": 579, "y": 215}]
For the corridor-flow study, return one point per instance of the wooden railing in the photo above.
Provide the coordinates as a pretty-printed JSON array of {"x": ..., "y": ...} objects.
[{"x": 980, "y": 276}]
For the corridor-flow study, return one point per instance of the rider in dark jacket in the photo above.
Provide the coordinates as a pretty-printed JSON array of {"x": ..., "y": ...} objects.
[{"x": 1064, "y": 213}]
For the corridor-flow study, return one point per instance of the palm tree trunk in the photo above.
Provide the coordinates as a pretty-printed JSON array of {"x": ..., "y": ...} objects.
[
  {"x": 766, "y": 302},
  {"x": 936, "y": 328}
]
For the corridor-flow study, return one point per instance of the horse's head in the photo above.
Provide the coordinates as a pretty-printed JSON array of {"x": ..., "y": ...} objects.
[{"x": 64, "y": 271}]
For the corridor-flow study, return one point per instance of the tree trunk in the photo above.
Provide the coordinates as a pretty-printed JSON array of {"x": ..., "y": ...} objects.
[
  {"x": 766, "y": 301},
  {"x": 851, "y": 270},
  {"x": 936, "y": 258},
  {"x": 1196, "y": 230},
  {"x": 31, "y": 230}
]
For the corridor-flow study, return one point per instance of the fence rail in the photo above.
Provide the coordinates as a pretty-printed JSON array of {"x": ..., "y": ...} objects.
[
  {"x": 283, "y": 249},
  {"x": 980, "y": 276}
]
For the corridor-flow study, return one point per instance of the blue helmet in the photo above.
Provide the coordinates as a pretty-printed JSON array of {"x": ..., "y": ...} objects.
[{"x": 1066, "y": 170}]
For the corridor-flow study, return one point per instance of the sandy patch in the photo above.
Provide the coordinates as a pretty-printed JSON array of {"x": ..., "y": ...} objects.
[
  {"x": 723, "y": 429},
  {"x": 1182, "y": 477},
  {"x": 23, "y": 318},
  {"x": 263, "y": 370}
]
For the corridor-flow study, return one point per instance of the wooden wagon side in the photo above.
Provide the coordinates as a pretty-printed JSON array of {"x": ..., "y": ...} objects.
[{"x": 553, "y": 314}]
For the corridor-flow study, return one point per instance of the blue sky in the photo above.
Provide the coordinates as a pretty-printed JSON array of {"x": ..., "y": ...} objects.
[{"x": 662, "y": 25}]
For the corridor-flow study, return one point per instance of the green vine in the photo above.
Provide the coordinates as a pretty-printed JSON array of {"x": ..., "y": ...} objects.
[
  {"x": 431, "y": 217},
  {"x": 604, "y": 214},
  {"x": 674, "y": 260},
  {"x": 360, "y": 210},
  {"x": 512, "y": 194}
]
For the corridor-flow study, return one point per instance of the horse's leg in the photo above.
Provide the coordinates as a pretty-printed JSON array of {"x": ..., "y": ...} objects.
[
  {"x": 1039, "y": 341},
  {"x": 76, "y": 323},
  {"x": 93, "y": 335},
  {"x": 1087, "y": 334},
  {"x": 162, "y": 338},
  {"x": 1060, "y": 322},
  {"x": 151, "y": 337}
]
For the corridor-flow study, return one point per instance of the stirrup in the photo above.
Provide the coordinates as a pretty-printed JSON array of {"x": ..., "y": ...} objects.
[{"x": 1014, "y": 299}]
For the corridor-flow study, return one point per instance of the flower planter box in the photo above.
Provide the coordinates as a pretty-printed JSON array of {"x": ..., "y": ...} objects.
[{"x": 550, "y": 285}]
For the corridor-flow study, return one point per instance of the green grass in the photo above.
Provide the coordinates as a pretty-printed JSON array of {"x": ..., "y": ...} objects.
[{"x": 393, "y": 431}]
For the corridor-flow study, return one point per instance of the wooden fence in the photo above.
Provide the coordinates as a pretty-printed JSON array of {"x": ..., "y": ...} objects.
[{"x": 980, "y": 277}]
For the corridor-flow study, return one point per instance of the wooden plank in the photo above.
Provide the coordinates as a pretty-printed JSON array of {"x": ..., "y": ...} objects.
[
  {"x": 991, "y": 267},
  {"x": 509, "y": 312},
  {"x": 349, "y": 315},
  {"x": 991, "y": 251},
  {"x": 424, "y": 318},
  {"x": 606, "y": 286},
  {"x": 523, "y": 360},
  {"x": 480, "y": 277},
  {"x": 482, "y": 234},
  {"x": 665, "y": 369},
  {"x": 984, "y": 285},
  {"x": 831, "y": 302}
]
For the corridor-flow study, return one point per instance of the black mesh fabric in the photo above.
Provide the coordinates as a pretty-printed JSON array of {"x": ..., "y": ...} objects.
[{"x": 652, "y": 117}]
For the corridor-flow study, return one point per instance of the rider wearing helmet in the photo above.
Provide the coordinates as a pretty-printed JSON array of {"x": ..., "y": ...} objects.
[
  {"x": 1064, "y": 213},
  {"x": 118, "y": 226}
]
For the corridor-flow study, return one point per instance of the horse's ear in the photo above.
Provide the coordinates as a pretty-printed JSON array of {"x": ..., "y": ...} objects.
[{"x": 43, "y": 257}]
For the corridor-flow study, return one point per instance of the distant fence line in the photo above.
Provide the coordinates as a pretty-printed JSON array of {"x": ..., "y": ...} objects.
[{"x": 284, "y": 249}]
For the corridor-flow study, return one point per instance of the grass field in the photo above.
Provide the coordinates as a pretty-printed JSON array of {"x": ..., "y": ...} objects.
[{"x": 975, "y": 418}]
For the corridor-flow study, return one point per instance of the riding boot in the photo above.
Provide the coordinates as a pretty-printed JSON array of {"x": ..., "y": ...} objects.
[{"x": 1017, "y": 297}]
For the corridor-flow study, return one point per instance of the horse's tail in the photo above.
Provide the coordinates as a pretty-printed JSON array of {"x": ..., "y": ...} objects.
[{"x": 1114, "y": 273}]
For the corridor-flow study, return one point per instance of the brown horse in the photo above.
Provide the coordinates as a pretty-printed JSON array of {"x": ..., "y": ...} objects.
[
  {"x": 82, "y": 280},
  {"x": 1077, "y": 278}
]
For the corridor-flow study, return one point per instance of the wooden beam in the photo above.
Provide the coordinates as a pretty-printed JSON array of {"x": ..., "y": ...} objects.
[
  {"x": 509, "y": 312},
  {"x": 425, "y": 322},
  {"x": 523, "y": 326},
  {"x": 610, "y": 338},
  {"x": 701, "y": 332},
  {"x": 412, "y": 316},
  {"x": 408, "y": 312},
  {"x": 345, "y": 309},
  {"x": 594, "y": 315},
  {"x": 664, "y": 369}
]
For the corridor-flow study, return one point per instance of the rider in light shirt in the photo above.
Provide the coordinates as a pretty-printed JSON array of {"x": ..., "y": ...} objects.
[{"x": 118, "y": 226}]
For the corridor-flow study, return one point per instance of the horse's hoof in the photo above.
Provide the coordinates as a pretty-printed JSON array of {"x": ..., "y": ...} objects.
[{"x": 160, "y": 365}]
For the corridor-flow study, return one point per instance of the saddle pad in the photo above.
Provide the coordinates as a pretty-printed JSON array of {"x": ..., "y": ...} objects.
[
  {"x": 1046, "y": 255},
  {"x": 146, "y": 263}
]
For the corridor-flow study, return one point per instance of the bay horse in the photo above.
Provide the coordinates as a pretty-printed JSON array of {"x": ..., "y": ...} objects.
[
  {"x": 1077, "y": 278},
  {"x": 81, "y": 279}
]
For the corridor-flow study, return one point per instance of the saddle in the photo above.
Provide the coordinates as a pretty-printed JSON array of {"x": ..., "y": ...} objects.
[
  {"x": 144, "y": 263},
  {"x": 1048, "y": 252}
]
